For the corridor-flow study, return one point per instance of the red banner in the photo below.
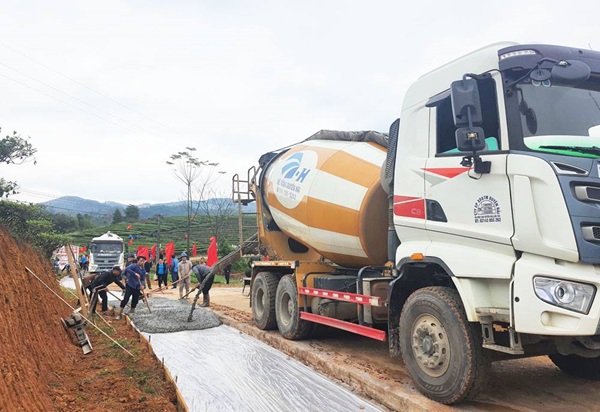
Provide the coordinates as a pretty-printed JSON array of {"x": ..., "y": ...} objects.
[
  {"x": 169, "y": 251},
  {"x": 82, "y": 249},
  {"x": 212, "y": 257},
  {"x": 142, "y": 251},
  {"x": 194, "y": 250},
  {"x": 153, "y": 252}
]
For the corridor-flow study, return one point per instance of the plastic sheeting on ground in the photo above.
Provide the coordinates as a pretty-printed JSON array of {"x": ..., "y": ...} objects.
[{"x": 222, "y": 369}]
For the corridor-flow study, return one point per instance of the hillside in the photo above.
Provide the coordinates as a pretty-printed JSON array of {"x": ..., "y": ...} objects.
[
  {"x": 173, "y": 228},
  {"x": 72, "y": 205}
]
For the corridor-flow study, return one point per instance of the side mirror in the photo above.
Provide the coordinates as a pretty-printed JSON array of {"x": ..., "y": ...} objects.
[{"x": 466, "y": 107}]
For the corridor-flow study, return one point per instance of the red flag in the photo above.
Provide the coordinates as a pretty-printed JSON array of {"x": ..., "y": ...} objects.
[
  {"x": 169, "y": 251},
  {"x": 153, "y": 252},
  {"x": 130, "y": 242},
  {"x": 129, "y": 227},
  {"x": 212, "y": 252},
  {"x": 142, "y": 251},
  {"x": 82, "y": 249},
  {"x": 194, "y": 250}
]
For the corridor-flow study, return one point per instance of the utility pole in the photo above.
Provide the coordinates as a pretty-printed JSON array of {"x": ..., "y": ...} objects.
[{"x": 158, "y": 217}]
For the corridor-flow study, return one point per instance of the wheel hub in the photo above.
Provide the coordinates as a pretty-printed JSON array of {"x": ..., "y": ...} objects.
[{"x": 431, "y": 347}]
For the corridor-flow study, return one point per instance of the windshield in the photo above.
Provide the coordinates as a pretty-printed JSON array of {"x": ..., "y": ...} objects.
[
  {"x": 106, "y": 247},
  {"x": 559, "y": 119}
]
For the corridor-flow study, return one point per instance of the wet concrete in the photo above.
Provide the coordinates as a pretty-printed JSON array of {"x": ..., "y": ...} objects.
[{"x": 170, "y": 315}]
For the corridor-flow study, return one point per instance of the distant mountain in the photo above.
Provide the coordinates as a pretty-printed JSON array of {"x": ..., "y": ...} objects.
[{"x": 72, "y": 205}]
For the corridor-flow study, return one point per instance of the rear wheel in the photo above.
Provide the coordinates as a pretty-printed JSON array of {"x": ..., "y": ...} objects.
[
  {"x": 586, "y": 368},
  {"x": 287, "y": 311},
  {"x": 442, "y": 351},
  {"x": 264, "y": 289}
]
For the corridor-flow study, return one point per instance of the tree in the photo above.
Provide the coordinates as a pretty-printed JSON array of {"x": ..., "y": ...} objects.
[
  {"x": 132, "y": 213},
  {"x": 31, "y": 224},
  {"x": 84, "y": 221},
  {"x": 218, "y": 208},
  {"x": 64, "y": 223},
  {"x": 14, "y": 150},
  {"x": 117, "y": 216},
  {"x": 198, "y": 176}
]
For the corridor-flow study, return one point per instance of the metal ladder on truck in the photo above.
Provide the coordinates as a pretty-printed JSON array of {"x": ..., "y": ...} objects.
[{"x": 242, "y": 195}]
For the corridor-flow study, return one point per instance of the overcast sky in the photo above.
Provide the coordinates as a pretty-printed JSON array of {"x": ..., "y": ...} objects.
[{"x": 107, "y": 90}]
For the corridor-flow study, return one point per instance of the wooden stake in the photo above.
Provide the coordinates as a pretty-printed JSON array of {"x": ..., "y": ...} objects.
[{"x": 83, "y": 302}]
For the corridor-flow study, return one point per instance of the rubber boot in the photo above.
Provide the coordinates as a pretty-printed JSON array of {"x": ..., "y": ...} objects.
[
  {"x": 119, "y": 313},
  {"x": 205, "y": 301}
]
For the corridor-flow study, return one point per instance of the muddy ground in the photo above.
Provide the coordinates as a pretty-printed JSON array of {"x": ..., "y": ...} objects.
[{"x": 40, "y": 367}]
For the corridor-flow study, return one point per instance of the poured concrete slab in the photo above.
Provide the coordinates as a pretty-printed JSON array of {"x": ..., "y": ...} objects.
[{"x": 222, "y": 369}]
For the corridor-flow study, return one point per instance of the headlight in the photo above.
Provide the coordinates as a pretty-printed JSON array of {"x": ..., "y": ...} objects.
[{"x": 569, "y": 295}]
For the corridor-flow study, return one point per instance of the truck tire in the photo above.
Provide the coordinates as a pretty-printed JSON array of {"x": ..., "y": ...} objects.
[
  {"x": 287, "y": 311},
  {"x": 264, "y": 289},
  {"x": 586, "y": 368},
  {"x": 442, "y": 351}
]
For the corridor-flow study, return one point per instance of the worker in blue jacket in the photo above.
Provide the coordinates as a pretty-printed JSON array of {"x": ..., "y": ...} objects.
[{"x": 136, "y": 282}]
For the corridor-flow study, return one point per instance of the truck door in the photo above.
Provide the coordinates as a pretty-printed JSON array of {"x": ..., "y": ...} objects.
[{"x": 469, "y": 216}]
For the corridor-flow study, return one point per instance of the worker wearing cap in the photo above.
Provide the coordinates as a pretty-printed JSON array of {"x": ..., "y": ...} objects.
[
  {"x": 136, "y": 281},
  {"x": 205, "y": 280},
  {"x": 102, "y": 281},
  {"x": 185, "y": 269}
]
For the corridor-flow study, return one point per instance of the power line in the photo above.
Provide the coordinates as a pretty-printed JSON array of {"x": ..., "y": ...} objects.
[
  {"x": 66, "y": 103},
  {"x": 78, "y": 99},
  {"x": 170, "y": 128}
]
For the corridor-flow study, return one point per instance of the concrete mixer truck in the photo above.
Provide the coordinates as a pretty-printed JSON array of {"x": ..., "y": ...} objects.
[{"x": 469, "y": 233}]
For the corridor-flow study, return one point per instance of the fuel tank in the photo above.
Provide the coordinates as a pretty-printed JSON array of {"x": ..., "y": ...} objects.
[{"x": 327, "y": 195}]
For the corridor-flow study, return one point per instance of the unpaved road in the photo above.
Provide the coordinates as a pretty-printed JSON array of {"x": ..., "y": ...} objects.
[{"x": 533, "y": 384}]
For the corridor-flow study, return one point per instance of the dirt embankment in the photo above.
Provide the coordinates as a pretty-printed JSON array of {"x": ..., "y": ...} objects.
[
  {"x": 31, "y": 337},
  {"x": 40, "y": 367}
]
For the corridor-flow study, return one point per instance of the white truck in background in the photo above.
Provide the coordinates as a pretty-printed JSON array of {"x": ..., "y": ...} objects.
[
  {"x": 470, "y": 233},
  {"x": 106, "y": 251}
]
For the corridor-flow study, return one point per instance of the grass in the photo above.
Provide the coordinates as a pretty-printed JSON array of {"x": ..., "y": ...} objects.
[{"x": 172, "y": 229}]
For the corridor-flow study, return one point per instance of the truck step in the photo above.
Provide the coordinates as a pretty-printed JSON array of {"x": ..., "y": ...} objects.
[{"x": 505, "y": 349}]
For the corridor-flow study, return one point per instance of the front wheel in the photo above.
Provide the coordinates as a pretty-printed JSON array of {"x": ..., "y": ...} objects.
[
  {"x": 586, "y": 368},
  {"x": 442, "y": 351}
]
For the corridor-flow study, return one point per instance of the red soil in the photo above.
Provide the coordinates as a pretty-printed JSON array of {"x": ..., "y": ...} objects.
[{"x": 40, "y": 367}]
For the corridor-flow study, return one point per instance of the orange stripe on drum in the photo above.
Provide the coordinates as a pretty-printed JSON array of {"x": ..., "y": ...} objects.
[
  {"x": 344, "y": 165},
  {"x": 331, "y": 217},
  {"x": 352, "y": 168}
]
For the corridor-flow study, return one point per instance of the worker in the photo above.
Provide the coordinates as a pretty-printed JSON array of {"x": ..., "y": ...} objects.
[
  {"x": 185, "y": 269},
  {"x": 148, "y": 268},
  {"x": 136, "y": 282},
  {"x": 101, "y": 282},
  {"x": 174, "y": 270},
  {"x": 204, "y": 274},
  {"x": 227, "y": 273},
  {"x": 161, "y": 272}
]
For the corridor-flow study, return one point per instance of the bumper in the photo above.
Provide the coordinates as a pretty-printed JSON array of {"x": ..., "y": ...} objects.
[{"x": 534, "y": 316}]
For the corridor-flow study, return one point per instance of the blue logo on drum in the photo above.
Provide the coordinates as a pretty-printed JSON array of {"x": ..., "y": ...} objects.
[{"x": 291, "y": 169}]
